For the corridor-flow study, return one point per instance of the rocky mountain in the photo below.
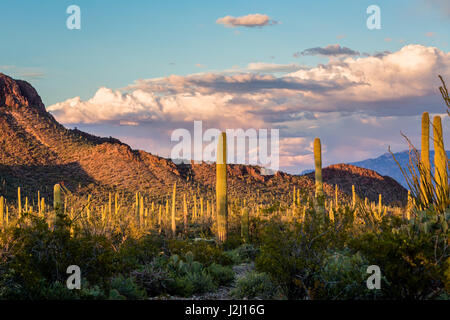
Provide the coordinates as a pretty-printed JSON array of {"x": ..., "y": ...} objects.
[{"x": 37, "y": 152}]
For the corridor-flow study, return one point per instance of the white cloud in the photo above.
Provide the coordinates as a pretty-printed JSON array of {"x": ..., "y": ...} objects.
[
  {"x": 250, "y": 21},
  {"x": 357, "y": 106}
]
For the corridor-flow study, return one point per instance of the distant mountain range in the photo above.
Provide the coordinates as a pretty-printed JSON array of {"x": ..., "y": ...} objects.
[{"x": 386, "y": 165}]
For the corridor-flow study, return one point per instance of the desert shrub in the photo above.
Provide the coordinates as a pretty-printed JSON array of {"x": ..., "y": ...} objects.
[
  {"x": 10, "y": 287},
  {"x": 88, "y": 292},
  {"x": 343, "y": 276},
  {"x": 114, "y": 294},
  {"x": 221, "y": 275},
  {"x": 242, "y": 254},
  {"x": 56, "y": 291},
  {"x": 411, "y": 257},
  {"x": 202, "y": 251},
  {"x": 126, "y": 287},
  {"x": 189, "y": 276},
  {"x": 39, "y": 256},
  {"x": 153, "y": 277},
  {"x": 135, "y": 252},
  {"x": 247, "y": 252},
  {"x": 234, "y": 240},
  {"x": 293, "y": 254},
  {"x": 255, "y": 285}
]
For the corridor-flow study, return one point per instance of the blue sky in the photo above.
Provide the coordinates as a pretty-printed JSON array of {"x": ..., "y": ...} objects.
[{"x": 121, "y": 42}]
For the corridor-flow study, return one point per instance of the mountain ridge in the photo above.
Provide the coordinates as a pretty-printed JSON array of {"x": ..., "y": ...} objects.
[{"x": 36, "y": 152}]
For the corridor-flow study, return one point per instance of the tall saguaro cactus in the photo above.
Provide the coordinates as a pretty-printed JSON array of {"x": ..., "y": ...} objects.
[
  {"x": 221, "y": 188},
  {"x": 318, "y": 167},
  {"x": 57, "y": 203},
  {"x": 440, "y": 161},
  {"x": 425, "y": 180},
  {"x": 174, "y": 196}
]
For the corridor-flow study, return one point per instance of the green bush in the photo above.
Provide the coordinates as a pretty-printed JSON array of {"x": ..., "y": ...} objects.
[
  {"x": 411, "y": 259},
  {"x": 244, "y": 253},
  {"x": 38, "y": 257},
  {"x": 153, "y": 277},
  {"x": 204, "y": 252},
  {"x": 136, "y": 252},
  {"x": 127, "y": 287},
  {"x": 189, "y": 276},
  {"x": 255, "y": 285},
  {"x": 221, "y": 275},
  {"x": 343, "y": 276}
]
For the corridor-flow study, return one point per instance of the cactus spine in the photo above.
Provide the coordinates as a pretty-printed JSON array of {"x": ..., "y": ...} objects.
[
  {"x": 221, "y": 188},
  {"x": 425, "y": 158},
  {"x": 440, "y": 163}
]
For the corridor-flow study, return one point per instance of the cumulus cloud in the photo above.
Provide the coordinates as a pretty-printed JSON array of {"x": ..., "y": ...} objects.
[
  {"x": 249, "y": 21},
  {"x": 356, "y": 105},
  {"x": 332, "y": 50}
]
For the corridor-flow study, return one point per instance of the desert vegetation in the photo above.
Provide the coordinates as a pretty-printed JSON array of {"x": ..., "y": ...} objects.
[{"x": 193, "y": 243}]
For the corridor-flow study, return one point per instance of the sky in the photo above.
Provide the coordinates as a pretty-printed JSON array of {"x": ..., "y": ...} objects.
[{"x": 137, "y": 70}]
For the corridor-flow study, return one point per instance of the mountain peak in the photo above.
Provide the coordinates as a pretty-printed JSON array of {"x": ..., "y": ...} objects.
[{"x": 16, "y": 93}]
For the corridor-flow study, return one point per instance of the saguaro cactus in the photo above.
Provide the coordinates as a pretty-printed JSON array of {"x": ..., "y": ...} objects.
[
  {"x": 2, "y": 210},
  {"x": 57, "y": 202},
  {"x": 425, "y": 159},
  {"x": 319, "y": 183},
  {"x": 221, "y": 188},
  {"x": 174, "y": 196},
  {"x": 185, "y": 215},
  {"x": 353, "y": 197},
  {"x": 318, "y": 166},
  {"x": 245, "y": 224},
  {"x": 440, "y": 162},
  {"x": 19, "y": 202}
]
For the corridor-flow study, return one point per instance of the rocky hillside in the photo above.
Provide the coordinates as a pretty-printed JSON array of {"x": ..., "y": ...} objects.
[
  {"x": 368, "y": 183},
  {"x": 36, "y": 152}
]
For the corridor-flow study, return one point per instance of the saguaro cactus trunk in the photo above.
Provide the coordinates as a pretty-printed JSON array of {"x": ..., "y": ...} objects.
[
  {"x": 425, "y": 181},
  {"x": 174, "y": 196},
  {"x": 221, "y": 188},
  {"x": 440, "y": 163},
  {"x": 57, "y": 203},
  {"x": 318, "y": 167}
]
